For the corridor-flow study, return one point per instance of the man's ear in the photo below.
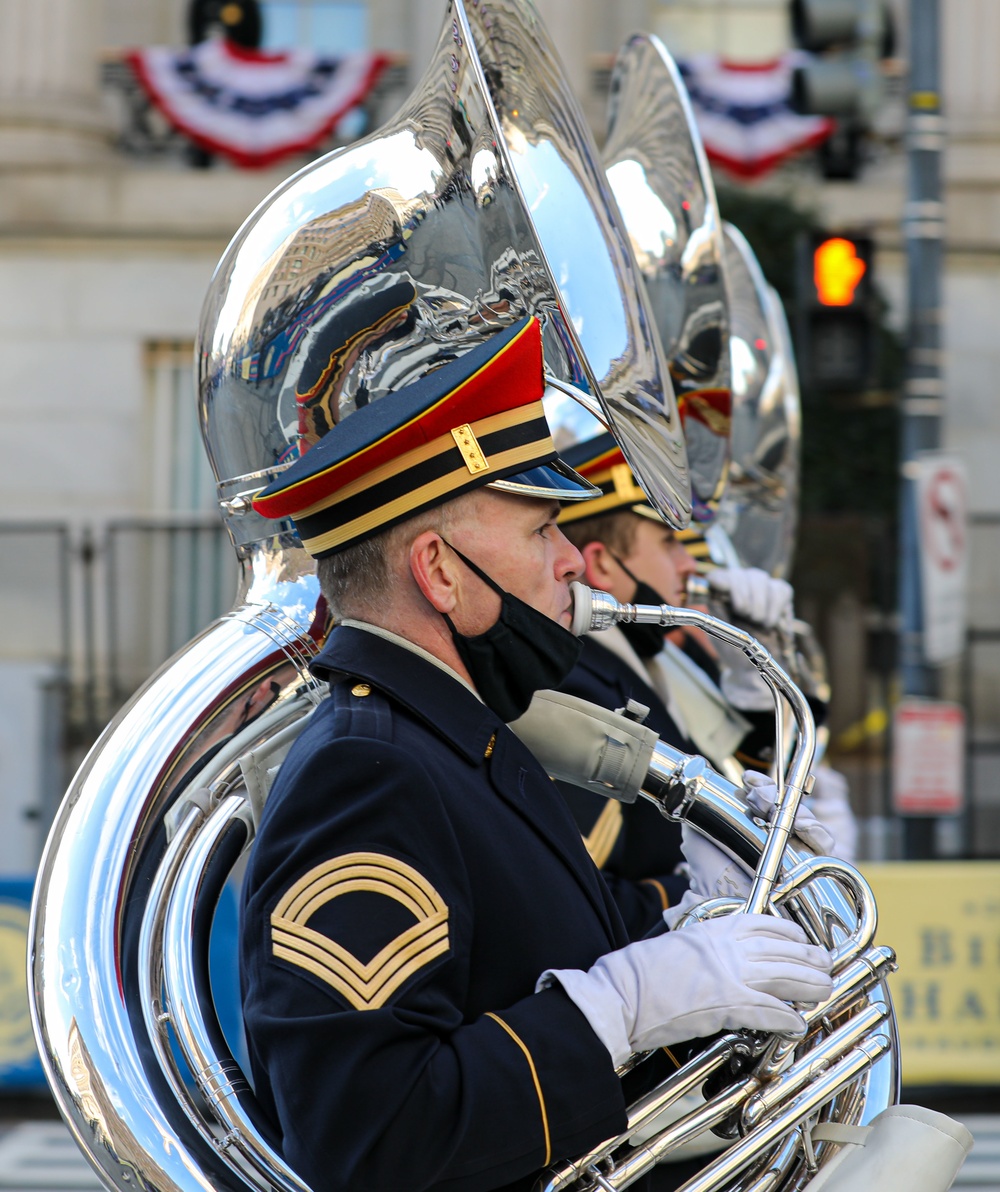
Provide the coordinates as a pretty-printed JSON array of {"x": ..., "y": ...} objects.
[
  {"x": 598, "y": 563},
  {"x": 432, "y": 566}
]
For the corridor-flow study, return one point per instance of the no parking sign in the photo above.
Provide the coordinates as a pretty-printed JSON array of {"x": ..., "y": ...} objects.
[{"x": 942, "y": 513}]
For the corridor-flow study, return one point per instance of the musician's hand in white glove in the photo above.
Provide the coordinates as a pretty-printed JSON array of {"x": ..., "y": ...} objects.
[
  {"x": 766, "y": 603},
  {"x": 761, "y": 794},
  {"x": 830, "y": 802},
  {"x": 714, "y": 874},
  {"x": 719, "y": 974},
  {"x": 754, "y": 594}
]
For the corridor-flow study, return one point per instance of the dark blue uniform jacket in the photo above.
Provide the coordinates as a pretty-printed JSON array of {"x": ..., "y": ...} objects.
[
  {"x": 414, "y": 873},
  {"x": 635, "y": 846}
]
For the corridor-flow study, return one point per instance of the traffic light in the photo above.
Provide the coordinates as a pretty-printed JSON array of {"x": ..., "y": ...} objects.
[
  {"x": 836, "y": 311},
  {"x": 850, "y": 38}
]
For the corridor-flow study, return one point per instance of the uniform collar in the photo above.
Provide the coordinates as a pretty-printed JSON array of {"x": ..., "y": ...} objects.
[
  {"x": 433, "y": 693},
  {"x": 404, "y": 643}
]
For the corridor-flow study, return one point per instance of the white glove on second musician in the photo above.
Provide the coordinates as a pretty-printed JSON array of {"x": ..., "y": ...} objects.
[
  {"x": 754, "y": 594},
  {"x": 761, "y": 793},
  {"x": 714, "y": 874},
  {"x": 719, "y": 974},
  {"x": 830, "y": 802}
]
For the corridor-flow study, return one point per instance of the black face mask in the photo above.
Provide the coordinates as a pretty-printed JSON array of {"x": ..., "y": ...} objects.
[
  {"x": 646, "y": 640},
  {"x": 523, "y": 652}
]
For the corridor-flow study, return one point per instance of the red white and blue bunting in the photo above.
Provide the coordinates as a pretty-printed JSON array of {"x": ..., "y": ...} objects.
[
  {"x": 743, "y": 112},
  {"x": 254, "y": 107}
]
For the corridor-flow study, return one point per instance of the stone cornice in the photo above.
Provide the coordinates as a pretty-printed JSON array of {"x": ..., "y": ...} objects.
[{"x": 125, "y": 201}]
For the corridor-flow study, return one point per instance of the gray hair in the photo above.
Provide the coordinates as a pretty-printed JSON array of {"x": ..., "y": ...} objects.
[{"x": 360, "y": 577}]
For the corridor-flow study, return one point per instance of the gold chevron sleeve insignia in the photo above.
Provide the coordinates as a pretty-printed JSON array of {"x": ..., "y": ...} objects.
[
  {"x": 364, "y": 986},
  {"x": 604, "y": 833}
]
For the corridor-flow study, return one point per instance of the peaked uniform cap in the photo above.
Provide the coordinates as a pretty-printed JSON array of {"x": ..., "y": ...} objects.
[
  {"x": 475, "y": 421},
  {"x": 600, "y": 461}
]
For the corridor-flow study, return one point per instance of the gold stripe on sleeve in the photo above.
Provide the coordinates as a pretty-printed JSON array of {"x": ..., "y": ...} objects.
[
  {"x": 534, "y": 1076},
  {"x": 660, "y": 889},
  {"x": 604, "y": 833},
  {"x": 364, "y": 986}
]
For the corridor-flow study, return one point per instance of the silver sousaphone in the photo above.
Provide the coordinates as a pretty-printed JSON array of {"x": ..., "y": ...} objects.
[
  {"x": 723, "y": 331},
  {"x": 360, "y": 271},
  {"x": 404, "y": 250},
  {"x": 758, "y": 513},
  {"x": 659, "y": 173},
  {"x": 760, "y": 507}
]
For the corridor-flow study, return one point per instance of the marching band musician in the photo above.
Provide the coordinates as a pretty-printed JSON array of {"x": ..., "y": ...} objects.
[
  {"x": 638, "y": 851},
  {"x": 631, "y": 552},
  {"x": 437, "y": 983}
]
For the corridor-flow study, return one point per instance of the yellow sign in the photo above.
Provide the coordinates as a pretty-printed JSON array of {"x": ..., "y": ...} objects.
[
  {"x": 17, "y": 1044},
  {"x": 943, "y": 920}
]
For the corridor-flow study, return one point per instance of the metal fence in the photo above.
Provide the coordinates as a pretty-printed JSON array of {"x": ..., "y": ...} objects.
[
  {"x": 36, "y": 633},
  {"x": 88, "y": 613},
  {"x": 164, "y": 582},
  {"x": 35, "y": 560}
]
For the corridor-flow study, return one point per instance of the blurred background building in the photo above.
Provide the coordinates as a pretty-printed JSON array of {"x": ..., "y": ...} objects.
[{"x": 111, "y": 224}]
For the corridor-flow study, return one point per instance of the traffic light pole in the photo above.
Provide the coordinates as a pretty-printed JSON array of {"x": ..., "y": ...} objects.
[{"x": 923, "y": 401}]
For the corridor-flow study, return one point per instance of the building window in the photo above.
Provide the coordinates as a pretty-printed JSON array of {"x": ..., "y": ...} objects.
[
  {"x": 328, "y": 26},
  {"x": 180, "y": 479},
  {"x": 171, "y": 572}
]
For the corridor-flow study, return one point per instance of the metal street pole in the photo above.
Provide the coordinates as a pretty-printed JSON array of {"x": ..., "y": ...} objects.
[{"x": 923, "y": 401}]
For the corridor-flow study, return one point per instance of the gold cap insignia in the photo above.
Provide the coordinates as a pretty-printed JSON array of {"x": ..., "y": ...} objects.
[{"x": 472, "y": 453}]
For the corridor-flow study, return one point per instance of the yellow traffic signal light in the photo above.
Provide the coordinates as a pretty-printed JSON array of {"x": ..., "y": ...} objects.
[
  {"x": 837, "y": 271},
  {"x": 837, "y": 311}
]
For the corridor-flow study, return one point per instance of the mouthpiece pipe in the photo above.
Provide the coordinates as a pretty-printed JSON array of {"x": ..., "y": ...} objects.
[{"x": 595, "y": 610}]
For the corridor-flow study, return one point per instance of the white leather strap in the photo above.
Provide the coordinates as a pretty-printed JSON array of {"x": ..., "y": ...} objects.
[
  {"x": 840, "y": 1132},
  {"x": 260, "y": 766}
]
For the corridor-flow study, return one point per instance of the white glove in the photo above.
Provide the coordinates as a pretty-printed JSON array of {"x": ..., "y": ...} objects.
[
  {"x": 761, "y": 793},
  {"x": 831, "y": 805},
  {"x": 714, "y": 874},
  {"x": 754, "y": 594},
  {"x": 742, "y": 683},
  {"x": 719, "y": 974}
]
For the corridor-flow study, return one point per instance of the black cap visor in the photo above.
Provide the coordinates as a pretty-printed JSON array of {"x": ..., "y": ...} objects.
[{"x": 554, "y": 480}]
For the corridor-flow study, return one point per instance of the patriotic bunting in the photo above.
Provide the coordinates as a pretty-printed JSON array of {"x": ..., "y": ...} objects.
[
  {"x": 744, "y": 115},
  {"x": 254, "y": 107}
]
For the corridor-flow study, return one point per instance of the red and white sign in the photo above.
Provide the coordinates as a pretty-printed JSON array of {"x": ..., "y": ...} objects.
[
  {"x": 943, "y": 526},
  {"x": 928, "y": 758}
]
